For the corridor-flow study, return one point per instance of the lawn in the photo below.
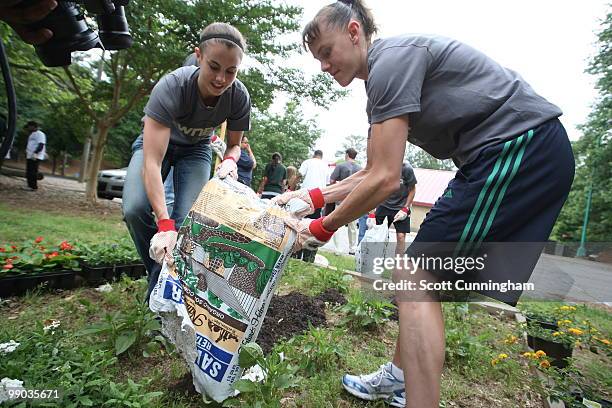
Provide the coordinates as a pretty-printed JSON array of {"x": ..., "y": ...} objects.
[{"x": 69, "y": 340}]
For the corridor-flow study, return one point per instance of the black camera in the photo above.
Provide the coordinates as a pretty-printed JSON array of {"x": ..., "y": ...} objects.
[{"x": 71, "y": 32}]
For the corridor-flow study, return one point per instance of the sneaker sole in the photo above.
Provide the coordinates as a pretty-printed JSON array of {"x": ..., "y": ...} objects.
[
  {"x": 397, "y": 404},
  {"x": 367, "y": 397}
]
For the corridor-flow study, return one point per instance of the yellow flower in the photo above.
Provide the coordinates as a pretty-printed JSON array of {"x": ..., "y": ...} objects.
[
  {"x": 557, "y": 333},
  {"x": 494, "y": 362},
  {"x": 544, "y": 364},
  {"x": 567, "y": 308},
  {"x": 565, "y": 321},
  {"x": 605, "y": 341},
  {"x": 527, "y": 354},
  {"x": 540, "y": 353},
  {"x": 502, "y": 356},
  {"x": 574, "y": 331},
  {"x": 511, "y": 339}
]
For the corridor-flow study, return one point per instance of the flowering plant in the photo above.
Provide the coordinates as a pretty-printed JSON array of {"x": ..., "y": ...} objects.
[{"x": 35, "y": 256}]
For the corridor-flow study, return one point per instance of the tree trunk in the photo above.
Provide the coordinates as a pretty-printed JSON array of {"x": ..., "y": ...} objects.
[
  {"x": 64, "y": 162},
  {"x": 98, "y": 144}
]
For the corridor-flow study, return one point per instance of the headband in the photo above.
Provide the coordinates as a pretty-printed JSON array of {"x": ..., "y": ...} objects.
[{"x": 228, "y": 37}]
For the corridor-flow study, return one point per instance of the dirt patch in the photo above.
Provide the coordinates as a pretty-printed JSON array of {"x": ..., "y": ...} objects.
[
  {"x": 332, "y": 297},
  {"x": 55, "y": 197},
  {"x": 289, "y": 316}
]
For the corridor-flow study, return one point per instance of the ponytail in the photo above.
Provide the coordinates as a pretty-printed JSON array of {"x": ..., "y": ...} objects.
[{"x": 338, "y": 15}]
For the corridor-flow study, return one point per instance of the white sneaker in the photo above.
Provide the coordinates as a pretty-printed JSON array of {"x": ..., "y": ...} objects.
[
  {"x": 398, "y": 399},
  {"x": 377, "y": 385}
]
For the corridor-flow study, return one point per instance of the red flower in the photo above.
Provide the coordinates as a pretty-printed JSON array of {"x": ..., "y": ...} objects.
[
  {"x": 8, "y": 266},
  {"x": 65, "y": 246},
  {"x": 53, "y": 254},
  {"x": 13, "y": 247},
  {"x": 38, "y": 239},
  {"x": 2, "y": 249}
]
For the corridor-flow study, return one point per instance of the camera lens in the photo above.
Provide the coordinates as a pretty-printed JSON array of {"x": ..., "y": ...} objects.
[
  {"x": 113, "y": 29},
  {"x": 70, "y": 33}
]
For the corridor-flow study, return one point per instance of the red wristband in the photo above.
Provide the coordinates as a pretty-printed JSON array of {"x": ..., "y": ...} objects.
[
  {"x": 230, "y": 158},
  {"x": 318, "y": 231},
  {"x": 371, "y": 215},
  {"x": 166, "y": 225},
  {"x": 405, "y": 209},
  {"x": 316, "y": 196}
]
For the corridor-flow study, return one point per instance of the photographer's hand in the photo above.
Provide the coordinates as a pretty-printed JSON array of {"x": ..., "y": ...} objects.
[{"x": 19, "y": 17}]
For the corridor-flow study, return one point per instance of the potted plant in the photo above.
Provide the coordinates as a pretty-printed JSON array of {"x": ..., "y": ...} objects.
[{"x": 33, "y": 263}]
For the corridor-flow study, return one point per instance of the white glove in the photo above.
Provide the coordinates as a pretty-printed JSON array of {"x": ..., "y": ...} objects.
[
  {"x": 227, "y": 168},
  {"x": 314, "y": 199},
  {"x": 401, "y": 215},
  {"x": 310, "y": 233},
  {"x": 370, "y": 222},
  {"x": 218, "y": 146},
  {"x": 163, "y": 243}
]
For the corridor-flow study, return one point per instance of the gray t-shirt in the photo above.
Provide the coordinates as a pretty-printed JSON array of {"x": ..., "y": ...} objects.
[
  {"x": 175, "y": 102},
  {"x": 344, "y": 170},
  {"x": 397, "y": 200},
  {"x": 459, "y": 100}
]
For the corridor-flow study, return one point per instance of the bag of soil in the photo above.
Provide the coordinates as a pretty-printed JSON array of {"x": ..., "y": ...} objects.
[{"x": 231, "y": 251}]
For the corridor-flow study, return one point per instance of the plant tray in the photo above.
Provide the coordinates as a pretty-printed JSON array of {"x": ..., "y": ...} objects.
[{"x": 19, "y": 284}]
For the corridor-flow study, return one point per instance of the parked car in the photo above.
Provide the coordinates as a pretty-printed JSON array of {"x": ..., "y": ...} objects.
[{"x": 110, "y": 183}]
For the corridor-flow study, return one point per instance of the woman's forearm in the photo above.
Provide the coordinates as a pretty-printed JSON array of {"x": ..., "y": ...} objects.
[
  {"x": 339, "y": 190},
  {"x": 151, "y": 175}
]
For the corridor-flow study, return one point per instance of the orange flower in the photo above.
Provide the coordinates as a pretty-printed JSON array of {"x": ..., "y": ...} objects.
[
  {"x": 544, "y": 364},
  {"x": 540, "y": 353},
  {"x": 38, "y": 239},
  {"x": 576, "y": 332}
]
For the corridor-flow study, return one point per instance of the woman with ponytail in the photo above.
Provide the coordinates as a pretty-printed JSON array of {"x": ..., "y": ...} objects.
[
  {"x": 181, "y": 115},
  {"x": 515, "y": 171}
]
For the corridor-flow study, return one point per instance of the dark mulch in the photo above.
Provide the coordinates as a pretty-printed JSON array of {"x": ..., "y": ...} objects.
[
  {"x": 289, "y": 316},
  {"x": 332, "y": 297}
]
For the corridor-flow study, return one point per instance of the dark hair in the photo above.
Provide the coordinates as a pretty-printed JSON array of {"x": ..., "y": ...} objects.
[
  {"x": 318, "y": 153},
  {"x": 32, "y": 123},
  {"x": 352, "y": 153},
  {"x": 222, "y": 33},
  {"x": 338, "y": 15},
  {"x": 276, "y": 157}
]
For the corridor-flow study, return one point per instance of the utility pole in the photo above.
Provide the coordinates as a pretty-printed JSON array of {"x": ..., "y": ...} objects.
[
  {"x": 87, "y": 144},
  {"x": 581, "y": 252}
]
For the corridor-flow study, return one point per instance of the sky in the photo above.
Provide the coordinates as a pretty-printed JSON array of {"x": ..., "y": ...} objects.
[{"x": 548, "y": 42}]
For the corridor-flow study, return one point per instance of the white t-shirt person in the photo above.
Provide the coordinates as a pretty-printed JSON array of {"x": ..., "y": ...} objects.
[
  {"x": 314, "y": 172},
  {"x": 34, "y": 140}
]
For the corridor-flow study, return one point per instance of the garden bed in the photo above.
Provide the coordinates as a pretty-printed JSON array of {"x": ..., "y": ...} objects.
[{"x": 321, "y": 352}]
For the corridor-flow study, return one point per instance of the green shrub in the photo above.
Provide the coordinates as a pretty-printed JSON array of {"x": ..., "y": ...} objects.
[{"x": 365, "y": 313}]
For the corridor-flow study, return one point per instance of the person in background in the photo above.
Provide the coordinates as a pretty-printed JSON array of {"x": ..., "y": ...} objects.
[
  {"x": 342, "y": 171},
  {"x": 293, "y": 178},
  {"x": 314, "y": 176},
  {"x": 396, "y": 208},
  {"x": 275, "y": 176},
  {"x": 246, "y": 163},
  {"x": 35, "y": 152}
]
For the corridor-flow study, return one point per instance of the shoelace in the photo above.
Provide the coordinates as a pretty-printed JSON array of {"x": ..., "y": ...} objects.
[{"x": 376, "y": 378}]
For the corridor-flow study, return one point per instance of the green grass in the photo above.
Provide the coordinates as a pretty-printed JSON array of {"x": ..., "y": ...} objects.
[
  {"x": 17, "y": 225},
  {"x": 340, "y": 261}
]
